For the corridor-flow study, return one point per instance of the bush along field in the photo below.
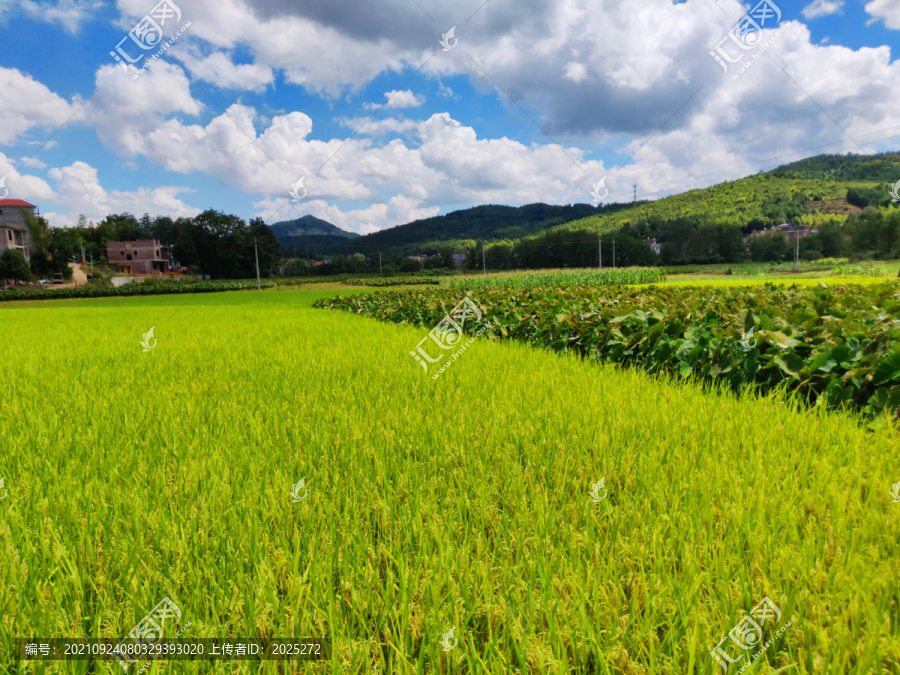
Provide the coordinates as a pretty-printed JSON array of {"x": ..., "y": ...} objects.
[{"x": 836, "y": 347}]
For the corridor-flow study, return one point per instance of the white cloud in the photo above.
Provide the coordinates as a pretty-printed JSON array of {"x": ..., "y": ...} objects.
[
  {"x": 68, "y": 13},
  {"x": 219, "y": 69},
  {"x": 377, "y": 217},
  {"x": 32, "y": 162},
  {"x": 398, "y": 99},
  {"x": 78, "y": 189},
  {"x": 576, "y": 72},
  {"x": 373, "y": 127},
  {"x": 28, "y": 104},
  {"x": 124, "y": 110},
  {"x": 446, "y": 92},
  {"x": 22, "y": 186},
  {"x": 820, "y": 8},
  {"x": 310, "y": 54},
  {"x": 886, "y": 10},
  {"x": 396, "y": 211}
]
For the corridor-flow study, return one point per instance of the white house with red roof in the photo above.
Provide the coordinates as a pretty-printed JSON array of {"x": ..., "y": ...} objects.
[{"x": 13, "y": 230}]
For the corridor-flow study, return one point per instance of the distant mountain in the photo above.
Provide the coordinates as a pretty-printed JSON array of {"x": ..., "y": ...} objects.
[
  {"x": 309, "y": 233},
  {"x": 308, "y": 226},
  {"x": 489, "y": 222}
]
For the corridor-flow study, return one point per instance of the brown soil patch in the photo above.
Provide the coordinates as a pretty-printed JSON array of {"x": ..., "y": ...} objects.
[{"x": 837, "y": 206}]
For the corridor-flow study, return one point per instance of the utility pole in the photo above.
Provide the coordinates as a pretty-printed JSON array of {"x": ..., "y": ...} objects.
[
  {"x": 600, "y": 246},
  {"x": 635, "y": 193},
  {"x": 796, "y": 249},
  {"x": 256, "y": 255},
  {"x": 380, "y": 271},
  {"x": 614, "y": 254},
  {"x": 483, "y": 259}
]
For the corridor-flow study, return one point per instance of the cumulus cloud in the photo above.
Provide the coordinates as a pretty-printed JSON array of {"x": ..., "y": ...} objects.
[
  {"x": 219, "y": 69},
  {"x": 78, "y": 189},
  {"x": 821, "y": 8},
  {"x": 124, "y": 110},
  {"x": 27, "y": 105},
  {"x": 587, "y": 68},
  {"x": 22, "y": 186},
  {"x": 312, "y": 54},
  {"x": 576, "y": 72},
  {"x": 887, "y": 11},
  {"x": 70, "y": 14},
  {"x": 373, "y": 127},
  {"x": 398, "y": 99}
]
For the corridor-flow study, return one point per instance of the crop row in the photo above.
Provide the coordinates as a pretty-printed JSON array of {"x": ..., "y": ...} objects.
[
  {"x": 392, "y": 281},
  {"x": 837, "y": 347},
  {"x": 554, "y": 278},
  {"x": 153, "y": 287},
  {"x": 161, "y": 288}
]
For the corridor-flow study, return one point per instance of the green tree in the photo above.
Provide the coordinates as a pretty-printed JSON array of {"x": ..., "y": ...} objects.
[
  {"x": 770, "y": 247},
  {"x": 14, "y": 266},
  {"x": 409, "y": 265},
  {"x": 296, "y": 267},
  {"x": 267, "y": 245},
  {"x": 41, "y": 243}
]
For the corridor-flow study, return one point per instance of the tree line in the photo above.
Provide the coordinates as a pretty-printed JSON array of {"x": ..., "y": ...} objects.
[{"x": 212, "y": 242}]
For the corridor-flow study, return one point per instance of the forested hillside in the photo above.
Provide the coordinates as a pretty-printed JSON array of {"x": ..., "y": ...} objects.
[
  {"x": 761, "y": 198},
  {"x": 489, "y": 222},
  {"x": 880, "y": 168}
]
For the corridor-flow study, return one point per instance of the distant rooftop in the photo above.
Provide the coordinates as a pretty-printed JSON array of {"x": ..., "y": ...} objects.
[{"x": 14, "y": 202}]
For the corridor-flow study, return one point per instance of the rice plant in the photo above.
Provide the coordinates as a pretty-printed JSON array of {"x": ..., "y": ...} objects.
[{"x": 559, "y": 516}]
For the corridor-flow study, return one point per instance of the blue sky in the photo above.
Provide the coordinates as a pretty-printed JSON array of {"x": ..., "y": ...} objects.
[{"x": 528, "y": 101}]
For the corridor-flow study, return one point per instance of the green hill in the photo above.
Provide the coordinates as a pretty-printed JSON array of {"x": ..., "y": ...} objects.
[
  {"x": 309, "y": 226},
  {"x": 490, "y": 222},
  {"x": 813, "y": 191},
  {"x": 298, "y": 235},
  {"x": 760, "y": 197},
  {"x": 878, "y": 169}
]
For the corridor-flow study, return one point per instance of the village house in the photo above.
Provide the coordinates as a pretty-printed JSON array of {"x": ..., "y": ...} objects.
[
  {"x": 785, "y": 228},
  {"x": 657, "y": 248},
  {"x": 13, "y": 230},
  {"x": 144, "y": 256}
]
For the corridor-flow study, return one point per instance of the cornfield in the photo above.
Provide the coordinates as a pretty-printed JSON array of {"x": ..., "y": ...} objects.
[{"x": 556, "y": 278}]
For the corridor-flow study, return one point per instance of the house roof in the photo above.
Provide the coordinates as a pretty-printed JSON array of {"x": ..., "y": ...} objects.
[{"x": 14, "y": 202}]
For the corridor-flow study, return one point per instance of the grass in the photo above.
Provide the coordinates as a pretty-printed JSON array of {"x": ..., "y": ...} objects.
[{"x": 457, "y": 503}]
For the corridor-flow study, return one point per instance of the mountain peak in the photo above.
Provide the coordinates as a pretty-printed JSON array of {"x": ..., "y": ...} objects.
[{"x": 308, "y": 225}]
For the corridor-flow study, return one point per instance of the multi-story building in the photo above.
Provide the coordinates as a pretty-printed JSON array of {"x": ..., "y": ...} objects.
[
  {"x": 144, "y": 256},
  {"x": 13, "y": 230}
]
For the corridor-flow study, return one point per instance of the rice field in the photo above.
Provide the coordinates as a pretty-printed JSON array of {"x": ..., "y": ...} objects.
[{"x": 463, "y": 503}]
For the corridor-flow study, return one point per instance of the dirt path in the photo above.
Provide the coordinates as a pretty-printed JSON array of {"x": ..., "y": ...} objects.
[{"x": 78, "y": 276}]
